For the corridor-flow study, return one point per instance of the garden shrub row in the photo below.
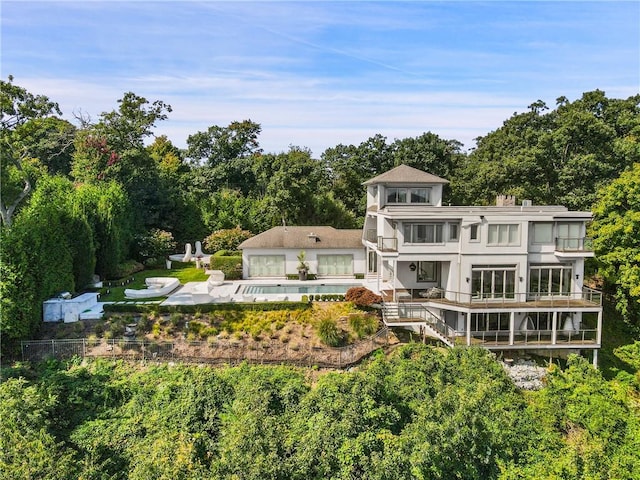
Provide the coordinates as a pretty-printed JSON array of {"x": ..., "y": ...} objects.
[
  {"x": 230, "y": 265},
  {"x": 324, "y": 297},
  {"x": 204, "y": 308}
]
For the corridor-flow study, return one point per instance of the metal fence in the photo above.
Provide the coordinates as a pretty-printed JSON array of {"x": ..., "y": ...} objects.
[{"x": 222, "y": 351}]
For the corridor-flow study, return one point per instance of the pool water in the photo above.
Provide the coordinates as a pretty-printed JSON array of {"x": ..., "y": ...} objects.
[{"x": 300, "y": 289}]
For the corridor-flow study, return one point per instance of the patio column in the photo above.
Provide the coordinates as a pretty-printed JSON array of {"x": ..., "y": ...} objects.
[
  {"x": 512, "y": 327},
  {"x": 595, "y": 358},
  {"x": 599, "y": 329},
  {"x": 468, "y": 320},
  {"x": 394, "y": 264},
  {"x": 554, "y": 328}
]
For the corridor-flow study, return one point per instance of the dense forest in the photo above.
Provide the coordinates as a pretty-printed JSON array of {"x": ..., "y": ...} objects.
[{"x": 422, "y": 413}]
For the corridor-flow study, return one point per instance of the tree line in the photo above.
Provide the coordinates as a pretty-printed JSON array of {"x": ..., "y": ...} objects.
[
  {"x": 85, "y": 198},
  {"x": 422, "y": 413}
]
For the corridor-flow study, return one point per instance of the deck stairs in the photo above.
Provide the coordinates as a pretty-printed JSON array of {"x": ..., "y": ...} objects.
[{"x": 417, "y": 315}]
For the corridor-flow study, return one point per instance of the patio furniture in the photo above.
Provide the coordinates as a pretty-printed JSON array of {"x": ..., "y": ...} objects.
[
  {"x": 156, "y": 287},
  {"x": 216, "y": 278}
]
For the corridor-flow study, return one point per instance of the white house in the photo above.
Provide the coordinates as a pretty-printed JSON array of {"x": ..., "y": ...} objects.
[
  {"x": 329, "y": 252},
  {"x": 508, "y": 277}
]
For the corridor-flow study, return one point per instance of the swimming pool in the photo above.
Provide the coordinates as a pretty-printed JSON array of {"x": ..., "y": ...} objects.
[{"x": 296, "y": 288}]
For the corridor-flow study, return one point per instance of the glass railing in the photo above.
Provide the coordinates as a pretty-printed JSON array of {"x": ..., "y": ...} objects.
[
  {"x": 581, "y": 244},
  {"x": 387, "y": 244}
]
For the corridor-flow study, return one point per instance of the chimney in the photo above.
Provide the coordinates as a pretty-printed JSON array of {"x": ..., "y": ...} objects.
[{"x": 505, "y": 201}]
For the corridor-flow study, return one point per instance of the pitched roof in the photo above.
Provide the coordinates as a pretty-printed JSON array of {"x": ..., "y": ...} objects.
[
  {"x": 405, "y": 174},
  {"x": 305, "y": 238}
]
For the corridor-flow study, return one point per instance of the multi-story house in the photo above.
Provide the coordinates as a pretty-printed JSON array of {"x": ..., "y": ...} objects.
[{"x": 507, "y": 277}]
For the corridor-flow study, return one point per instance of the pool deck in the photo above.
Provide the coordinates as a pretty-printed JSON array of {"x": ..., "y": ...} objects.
[{"x": 192, "y": 292}]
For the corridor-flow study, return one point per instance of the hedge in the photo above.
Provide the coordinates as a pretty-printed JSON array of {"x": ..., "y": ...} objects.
[
  {"x": 204, "y": 307},
  {"x": 230, "y": 265}
]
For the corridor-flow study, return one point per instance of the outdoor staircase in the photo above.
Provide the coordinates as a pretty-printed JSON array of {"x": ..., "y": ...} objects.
[{"x": 417, "y": 315}]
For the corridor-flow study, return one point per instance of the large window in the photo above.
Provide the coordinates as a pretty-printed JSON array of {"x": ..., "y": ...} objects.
[
  {"x": 408, "y": 195},
  {"x": 335, "y": 264},
  {"x": 547, "y": 280},
  {"x": 490, "y": 322},
  {"x": 536, "y": 321},
  {"x": 428, "y": 271},
  {"x": 488, "y": 281},
  {"x": 474, "y": 233},
  {"x": 372, "y": 262},
  {"x": 569, "y": 232},
  {"x": 266, "y": 266},
  {"x": 454, "y": 232},
  {"x": 543, "y": 232},
  {"x": 504, "y": 234},
  {"x": 423, "y": 232}
]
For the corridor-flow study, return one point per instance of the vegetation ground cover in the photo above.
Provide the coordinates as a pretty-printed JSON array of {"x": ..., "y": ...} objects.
[{"x": 419, "y": 413}]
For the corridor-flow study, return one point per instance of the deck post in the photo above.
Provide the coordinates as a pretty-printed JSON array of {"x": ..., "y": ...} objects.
[
  {"x": 467, "y": 317},
  {"x": 599, "y": 331},
  {"x": 554, "y": 328},
  {"x": 512, "y": 327},
  {"x": 595, "y": 358}
]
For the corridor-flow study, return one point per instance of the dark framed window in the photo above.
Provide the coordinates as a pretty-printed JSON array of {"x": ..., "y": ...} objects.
[{"x": 428, "y": 272}]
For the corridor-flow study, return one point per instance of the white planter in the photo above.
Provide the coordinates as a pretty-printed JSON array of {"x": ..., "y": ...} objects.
[{"x": 168, "y": 264}]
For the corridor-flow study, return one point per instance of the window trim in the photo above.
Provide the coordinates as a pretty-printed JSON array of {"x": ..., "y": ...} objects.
[
  {"x": 509, "y": 227},
  {"x": 408, "y": 192},
  {"x": 542, "y": 242},
  {"x": 322, "y": 257},
  {"x": 505, "y": 293},
  {"x": 474, "y": 228},
  {"x": 453, "y": 226},
  {"x": 436, "y": 272},
  {"x": 437, "y": 227}
]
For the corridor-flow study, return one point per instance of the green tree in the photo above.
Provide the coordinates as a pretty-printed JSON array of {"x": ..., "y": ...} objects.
[
  {"x": 107, "y": 209},
  {"x": 38, "y": 258},
  {"x": 226, "y": 154},
  {"x": 113, "y": 150},
  {"x": 28, "y": 449},
  {"x": 615, "y": 231},
  {"x": 560, "y": 157},
  {"x": 18, "y": 107}
]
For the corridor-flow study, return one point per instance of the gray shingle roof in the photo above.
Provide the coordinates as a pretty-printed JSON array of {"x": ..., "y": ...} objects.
[
  {"x": 305, "y": 238},
  {"x": 405, "y": 174}
]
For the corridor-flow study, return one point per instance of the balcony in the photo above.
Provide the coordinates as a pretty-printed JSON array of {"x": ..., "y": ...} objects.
[
  {"x": 587, "y": 299},
  {"x": 574, "y": 247},
  {"x": 387, "y": 244},
  {"x": 371, "y": 235}
]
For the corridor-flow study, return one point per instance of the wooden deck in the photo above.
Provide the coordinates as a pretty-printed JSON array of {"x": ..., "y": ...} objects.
[{"x": 411, "y": 296}]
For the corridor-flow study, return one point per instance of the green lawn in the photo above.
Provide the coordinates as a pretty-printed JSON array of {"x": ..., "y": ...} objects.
[{"x": 185, "y": 272}]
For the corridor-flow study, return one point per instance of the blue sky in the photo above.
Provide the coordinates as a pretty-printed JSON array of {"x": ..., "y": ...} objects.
[{"x": 316, "y": 74}]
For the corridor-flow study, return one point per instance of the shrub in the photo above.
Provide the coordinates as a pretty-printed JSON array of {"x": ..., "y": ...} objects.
[
  {"x": 363, "y": 325},
  {"x": 144, "y": 324},
  {"x": 128, "y": 268},
  {"x": 329, "y": 333},
  {"x": 156, "y": 243},
  {"x": 231, "y": 266},
  {"x": 175, "y": 318},
  {"x": 362, "y": 296},
  {"x": 227, "y": 239}
]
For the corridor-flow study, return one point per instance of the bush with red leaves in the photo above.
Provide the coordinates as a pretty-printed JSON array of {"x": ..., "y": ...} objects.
[{"x": 362, "y": 296}]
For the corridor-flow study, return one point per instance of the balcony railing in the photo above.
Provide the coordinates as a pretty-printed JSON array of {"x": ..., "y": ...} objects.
[
  {"x": 532, "y": 337},
  {"x": 387, "y": 244},
  {"x": 586, "y": 298},
  {"x": 581, "y": 244},
  {"x": 371, "y": 235}
]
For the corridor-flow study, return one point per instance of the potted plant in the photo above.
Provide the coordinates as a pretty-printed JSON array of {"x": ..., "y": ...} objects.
[{"x": 303, "y": 266}]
